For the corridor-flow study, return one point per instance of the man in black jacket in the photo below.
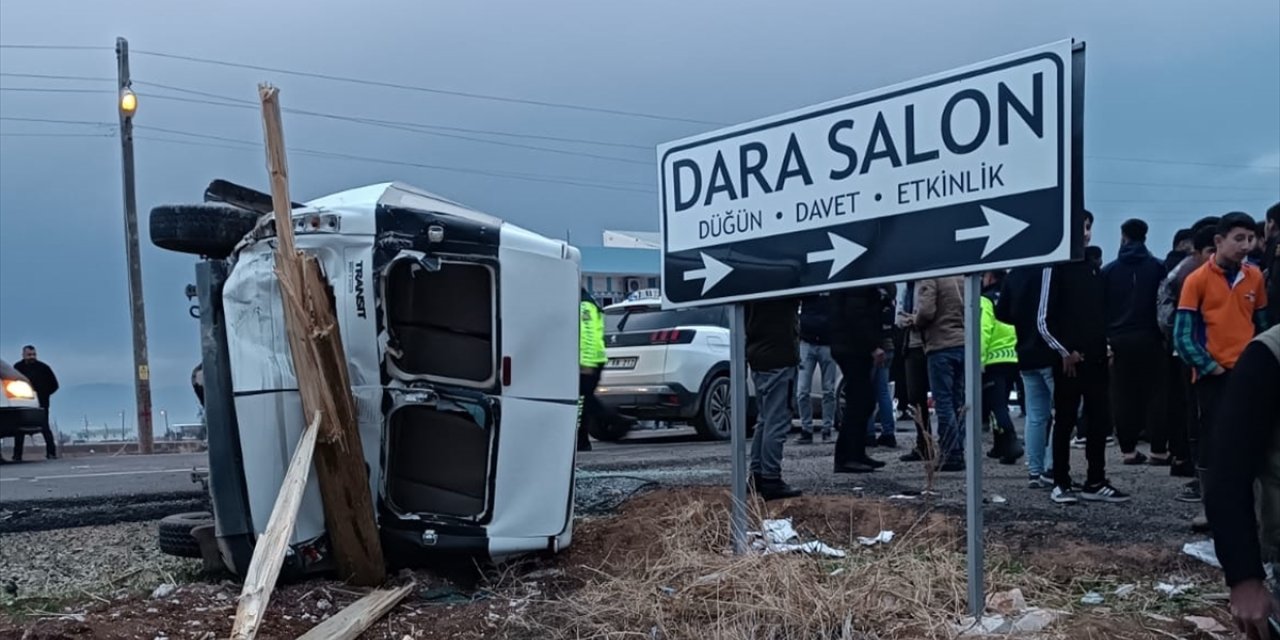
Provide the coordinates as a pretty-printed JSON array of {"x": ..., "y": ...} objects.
[
  {"x": 815, "y": 354},
  {"x": 45, "y": 385},
  {"x": 1132, "y": 282},
  {"x": 1071, "y": 321},
  {"x": 1271, "y": 263},
  {"x": 857, "y": 346},
  {"x": 1019, "y": 305},
  {"x": 773, "y": 351}
]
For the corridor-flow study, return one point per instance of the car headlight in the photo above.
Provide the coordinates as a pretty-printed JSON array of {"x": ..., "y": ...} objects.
[{"x": 19, "y": 390}]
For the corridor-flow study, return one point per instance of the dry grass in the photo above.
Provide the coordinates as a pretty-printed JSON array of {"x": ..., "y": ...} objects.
[{"x": 688, "y": 586}]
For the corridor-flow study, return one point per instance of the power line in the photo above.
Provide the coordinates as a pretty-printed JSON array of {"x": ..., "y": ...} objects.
[
  {"x": 26, "y": 134},
  {"x": 249, "y": 145},
  {"x": 1180, "y": 186},
  {"x": 409, "y": 127},
  {"x": 57, "y": 47},
  {"x": 1187, "y": 162},
  {"x": 97, "y": 123},
  {"x": 50, "y": 76},
  {"x": 53, "y": 90},
  {"x": 1174, "y": 201},
  {"x": 238, "y": 102},
  {"x": 233, "y": 102},
  {"x": 408, "y": 87}
]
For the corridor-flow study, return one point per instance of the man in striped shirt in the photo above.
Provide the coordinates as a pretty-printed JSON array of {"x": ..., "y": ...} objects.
[{"x": 1072, "y": 321}]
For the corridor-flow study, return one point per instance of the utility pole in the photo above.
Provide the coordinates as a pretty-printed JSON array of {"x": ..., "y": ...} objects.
[{"x": 128, "y": 105}]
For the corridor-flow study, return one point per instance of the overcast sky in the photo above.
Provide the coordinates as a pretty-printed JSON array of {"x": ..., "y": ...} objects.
[{"x": 1192, "y": 85}]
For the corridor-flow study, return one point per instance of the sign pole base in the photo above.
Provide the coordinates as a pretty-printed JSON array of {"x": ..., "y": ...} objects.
[{"x": 738, "y": 424}]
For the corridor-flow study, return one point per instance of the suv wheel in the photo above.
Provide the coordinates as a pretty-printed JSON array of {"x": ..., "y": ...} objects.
[{"x": 714, "y": 411}]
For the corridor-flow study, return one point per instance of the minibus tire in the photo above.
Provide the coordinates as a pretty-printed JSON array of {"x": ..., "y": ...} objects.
[
  {"x": 175, "y": 533},
  {"x": 209, "y": 230}
]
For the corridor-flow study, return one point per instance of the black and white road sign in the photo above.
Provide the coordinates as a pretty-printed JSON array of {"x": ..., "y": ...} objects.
[{"x": 955, "y": 173}]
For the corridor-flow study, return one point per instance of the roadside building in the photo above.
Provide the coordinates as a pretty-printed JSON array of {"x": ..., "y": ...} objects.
[{"x": 628, "y": 262}]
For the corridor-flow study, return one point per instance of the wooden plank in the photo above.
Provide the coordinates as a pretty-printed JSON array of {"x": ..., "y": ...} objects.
[
  {"x": 320, "y": 364},
  {"x": 268, "y": 553},
  {"x": 349, "y": 623}
]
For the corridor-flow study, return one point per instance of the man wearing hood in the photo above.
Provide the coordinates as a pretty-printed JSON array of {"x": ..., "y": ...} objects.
[
  {"x": 1132, "y": 282},
  {"x": 1183, "y": 245}
]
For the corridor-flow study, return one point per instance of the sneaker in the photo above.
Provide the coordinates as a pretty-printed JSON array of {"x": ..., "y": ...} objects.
[
  {"x": 914, "y": 456},
  {"x": 775, "y": 489},
  {"x": 1013, "y": 455},
  {"x": 826, "y": 435},
  {"x": 888, "y": 441},
  {"x": 1037, "y": 481},
  {"x": 1190, "y": 493},
  {"x": 1063, "y": 496},
  {"x": 1137, "y": 458},
  {"x": 871, "y": 462},
  {"x": 951, "y": 466},
  {"x": 1200, "y": 523},
  {"x": 1104, "y": 492},
  {"x": 804, "y": 438},
  {"x": 854, "y": 467},
  {"x": 1078, "y": 443}
]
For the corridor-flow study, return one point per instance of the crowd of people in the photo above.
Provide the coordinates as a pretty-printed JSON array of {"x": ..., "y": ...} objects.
[{"x": 1135, "y": 349}]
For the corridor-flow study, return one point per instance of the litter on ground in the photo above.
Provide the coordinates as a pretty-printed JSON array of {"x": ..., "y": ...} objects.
[
  {"x": 1202, "y": 551},
  {"x": 779, "y": 536}
]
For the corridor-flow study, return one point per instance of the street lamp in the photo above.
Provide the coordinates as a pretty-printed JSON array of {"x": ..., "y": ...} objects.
[
  {"x": 128, "y": 102},
  {"x": 127, "y": 106}
]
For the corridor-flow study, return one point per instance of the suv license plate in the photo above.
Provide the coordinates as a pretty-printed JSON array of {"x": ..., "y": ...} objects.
[{"x": 621, "y": 363}]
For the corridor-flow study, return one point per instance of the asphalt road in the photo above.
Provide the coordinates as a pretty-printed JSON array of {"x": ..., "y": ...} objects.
[
  {"x": 99, "y": 475},
  {"x": 676, "y": 457}
]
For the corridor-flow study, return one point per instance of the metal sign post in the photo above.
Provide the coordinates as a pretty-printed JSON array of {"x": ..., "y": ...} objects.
[
  {"x": 738, "y": 424},
  {"x": 973, "y": 419}
]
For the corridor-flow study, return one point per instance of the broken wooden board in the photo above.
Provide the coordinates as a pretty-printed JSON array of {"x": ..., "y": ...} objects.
[
  {"x": 268, "y": 552},
  {"x": 320, "y": 364},
  {"x": 349, "y": 623}
]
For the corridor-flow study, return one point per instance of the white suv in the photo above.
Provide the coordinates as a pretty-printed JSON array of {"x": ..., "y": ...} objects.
[
  {"x": 669, "y": 365},
  {"x": 673, "y": 366}
]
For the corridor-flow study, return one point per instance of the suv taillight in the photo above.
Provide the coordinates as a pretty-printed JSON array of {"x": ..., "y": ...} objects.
[{"x": 672, "y": 336}]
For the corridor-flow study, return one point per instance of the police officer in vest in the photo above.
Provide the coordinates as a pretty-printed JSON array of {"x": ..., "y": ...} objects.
[
  {"x": 1245, "y": 452},
  {"x": 591, "y": 361}
]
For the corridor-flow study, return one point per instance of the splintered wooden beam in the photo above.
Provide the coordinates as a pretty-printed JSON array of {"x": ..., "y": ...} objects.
[
  {"x": 320, "y": 363},
  {"x": 268, "y": 553},
  {"x": 349, "y": 623}
]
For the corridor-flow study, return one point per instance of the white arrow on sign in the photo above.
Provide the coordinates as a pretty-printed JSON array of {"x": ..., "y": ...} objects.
[
  {"x": 1000, "y": 228},
  {"x": 711, "y": 273},
  {"x": 841, "y": 254}
]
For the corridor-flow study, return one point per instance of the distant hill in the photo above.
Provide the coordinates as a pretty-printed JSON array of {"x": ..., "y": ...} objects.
[{"x": 102, "y": 404}]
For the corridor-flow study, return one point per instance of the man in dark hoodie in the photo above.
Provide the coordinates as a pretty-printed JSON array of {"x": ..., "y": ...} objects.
[
  {"x": 1132, "y": 282},
  {"x": 1071, "y": 298},
  {"x": 815, "y": 355},
  {"x": 857, "y": 343},
  {"x": 1183, "y": 242},
  {"x": 773, "y": 351}
]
